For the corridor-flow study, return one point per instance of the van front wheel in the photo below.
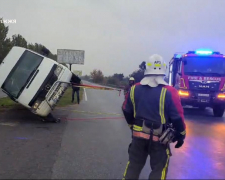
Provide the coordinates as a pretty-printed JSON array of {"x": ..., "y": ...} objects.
[{"x": 218, "y": 110}]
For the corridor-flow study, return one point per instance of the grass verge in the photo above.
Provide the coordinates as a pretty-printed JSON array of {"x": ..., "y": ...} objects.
[{"x": 7, "y": 103}]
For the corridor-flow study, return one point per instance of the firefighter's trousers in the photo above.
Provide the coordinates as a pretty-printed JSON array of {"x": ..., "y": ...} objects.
[{"x": 138, "y": 153}]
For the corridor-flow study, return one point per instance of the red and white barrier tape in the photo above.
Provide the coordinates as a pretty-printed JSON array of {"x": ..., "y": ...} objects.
[{"x": 96, "y": 87}]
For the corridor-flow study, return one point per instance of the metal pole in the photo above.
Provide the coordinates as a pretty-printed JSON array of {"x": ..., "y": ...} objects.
[{"x": 70, "y": 66}]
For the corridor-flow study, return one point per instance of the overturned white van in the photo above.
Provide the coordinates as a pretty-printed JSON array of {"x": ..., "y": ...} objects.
[{"x": 33, "y": 80}]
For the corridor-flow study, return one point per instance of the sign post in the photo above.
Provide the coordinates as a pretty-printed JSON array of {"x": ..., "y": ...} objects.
[{"x": 70, "y": 57}]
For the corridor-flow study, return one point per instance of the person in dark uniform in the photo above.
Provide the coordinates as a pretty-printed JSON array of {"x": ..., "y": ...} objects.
[
  {"x": 76, "y": 90},
  {"x": 76, "y": 81},
  {"x": 131, "y": 83},
  {"x": 149, "y": 108}
]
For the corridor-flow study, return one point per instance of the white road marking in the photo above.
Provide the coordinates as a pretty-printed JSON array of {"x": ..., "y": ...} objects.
[
  {"x": 85, "y": 95},
  {"x": 8, "y": 124}
]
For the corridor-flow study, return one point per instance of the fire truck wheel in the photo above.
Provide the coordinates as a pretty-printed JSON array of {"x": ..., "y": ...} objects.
[{"x": 218, "y": 111}]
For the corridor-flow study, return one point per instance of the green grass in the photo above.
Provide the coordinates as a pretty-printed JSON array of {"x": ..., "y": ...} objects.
[
  {"x": 7, "y": 103},
  {"x": 64, "y": 101}
]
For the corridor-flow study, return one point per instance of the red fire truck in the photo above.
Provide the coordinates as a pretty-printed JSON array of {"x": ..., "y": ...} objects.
[{"x": 199, "y": 77}]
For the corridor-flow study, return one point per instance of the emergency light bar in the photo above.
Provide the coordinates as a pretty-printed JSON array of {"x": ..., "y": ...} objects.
[
  {"x": 177, "y": 55},
  {"x": 204, "y": 52},
  {"x": 200, "y": 52}
]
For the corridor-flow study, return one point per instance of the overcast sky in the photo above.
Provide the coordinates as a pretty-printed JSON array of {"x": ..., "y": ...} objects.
[{"x": 117, "y": 35}]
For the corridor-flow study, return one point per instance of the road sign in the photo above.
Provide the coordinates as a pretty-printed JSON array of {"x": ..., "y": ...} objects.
[
  {"x": 68, "y": 56},
  {"x": 78, "y": 73}
]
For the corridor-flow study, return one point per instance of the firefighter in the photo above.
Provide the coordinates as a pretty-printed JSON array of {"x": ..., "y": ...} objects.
[
  {"x": 131, "y": 83},
  {"x": 151, "y": 106}
]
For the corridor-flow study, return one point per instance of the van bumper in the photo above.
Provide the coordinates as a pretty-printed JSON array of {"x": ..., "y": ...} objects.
[
  {"x": 54, "y": 95},
  {"x": 43, "y": 110}
]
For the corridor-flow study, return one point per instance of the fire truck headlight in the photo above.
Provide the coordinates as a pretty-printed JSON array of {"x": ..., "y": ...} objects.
[
  {"x": 221, "y": 96},
  {"x": 183, "y": 93}
]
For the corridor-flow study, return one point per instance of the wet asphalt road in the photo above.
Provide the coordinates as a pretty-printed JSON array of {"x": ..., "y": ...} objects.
[{"x": 91, "y": 143}]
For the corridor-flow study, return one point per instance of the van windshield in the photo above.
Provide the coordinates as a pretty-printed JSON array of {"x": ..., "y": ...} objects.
[
  {"x": 22, "y": 73},
  {"x": 204, "y": 66}
]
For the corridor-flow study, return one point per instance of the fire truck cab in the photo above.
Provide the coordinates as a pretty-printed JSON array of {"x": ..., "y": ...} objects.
[{"x": 199, "y": 77}]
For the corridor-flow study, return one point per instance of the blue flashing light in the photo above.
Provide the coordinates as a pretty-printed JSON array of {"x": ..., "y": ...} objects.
[
  {"x": 177, "y": 55},
  {"x": 203, "y": 52}
]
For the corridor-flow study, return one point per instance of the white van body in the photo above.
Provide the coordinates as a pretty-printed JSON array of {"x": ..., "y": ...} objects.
[{"x": 33, "y": 80}]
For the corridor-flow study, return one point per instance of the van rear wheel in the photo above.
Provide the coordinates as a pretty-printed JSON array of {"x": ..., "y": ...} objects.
[{"x": 218, "y": 110}]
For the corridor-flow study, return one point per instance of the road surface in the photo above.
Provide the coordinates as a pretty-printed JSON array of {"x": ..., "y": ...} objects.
[{"x": 92, "y": 140}]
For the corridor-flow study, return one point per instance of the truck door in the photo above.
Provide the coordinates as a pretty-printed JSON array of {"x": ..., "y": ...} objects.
[
  {"x": 174, "y": 72},
  {"x": 171, "y": 73}
]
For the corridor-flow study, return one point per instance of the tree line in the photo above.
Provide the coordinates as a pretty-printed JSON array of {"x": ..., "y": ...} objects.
[
  {"x": 17, "y": 40},
  {"x": 116, "y": 80}
]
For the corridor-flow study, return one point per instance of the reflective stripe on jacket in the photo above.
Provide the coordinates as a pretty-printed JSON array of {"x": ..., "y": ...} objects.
[{"x": 156, "y": 105}]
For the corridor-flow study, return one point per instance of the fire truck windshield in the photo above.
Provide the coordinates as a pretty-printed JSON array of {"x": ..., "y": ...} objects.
[{"x": 204, "y": 66}]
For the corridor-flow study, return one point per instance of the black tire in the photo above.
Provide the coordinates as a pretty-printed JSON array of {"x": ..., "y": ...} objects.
[
  {"x": 218, "y": 111},
  {"x": 58, "y": 120}
]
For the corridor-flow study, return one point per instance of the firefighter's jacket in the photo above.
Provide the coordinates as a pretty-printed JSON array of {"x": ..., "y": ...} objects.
[
  {"x": 154, "y": 106},
  {"x": 127, "y": 89}
]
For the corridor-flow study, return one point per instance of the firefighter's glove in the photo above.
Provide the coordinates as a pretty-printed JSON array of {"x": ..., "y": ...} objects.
[
  {"x": 179, "y": 143},
  {"x": 179, "y": 138}
]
